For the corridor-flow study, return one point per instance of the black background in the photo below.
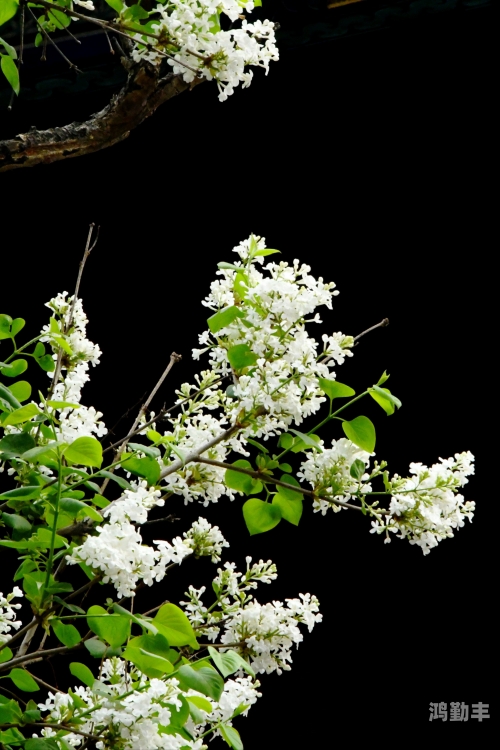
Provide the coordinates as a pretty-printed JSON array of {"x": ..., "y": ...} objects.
[{"x": 368, "y": 158}]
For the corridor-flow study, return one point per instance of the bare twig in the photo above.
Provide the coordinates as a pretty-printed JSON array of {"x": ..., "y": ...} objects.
[
  {"x": 87, "y": 251},
  {"x": 383, "y": 323},
  {"x": 49, "y": 39},
  {"x": 44, "y": 684}
]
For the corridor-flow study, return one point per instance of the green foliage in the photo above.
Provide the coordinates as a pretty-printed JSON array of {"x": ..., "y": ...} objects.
[
  {"x": 112, "y": 628},
  {"x": 334, "y": 389},
  {"x": 241, "y": 356},
  {"x": 174, "y": 625},
  {"x": 85, "y": 451},
  {"x": 10, "y": 71},
  {"x": 236, "y": 480},
  {"x": 224, "y": 318},
  {"x": 260, "y": 516},
  {"x": 150, "y": 654},
  {"x": 232, "y": 736},
  {"x": 385, "y": 399},
  {"x": 82, "y": 673},
  {"x": 146, "y": 468},
  {"x": 67, "y": 634},
  {"x": 23, "y": 680},
  {"x": 361, "y": 432},
  {"x": 205, "y": 680},
  {"x": 229, "y": 662}
]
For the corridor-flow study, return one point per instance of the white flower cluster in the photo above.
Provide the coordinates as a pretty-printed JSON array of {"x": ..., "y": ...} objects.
[
  {"x": 266, "y": 632},
  {"x": 190, "y": 32},
  {"x": 200, "y": 481},
  {"x": 82, "y": 421},
  {"x": 328, "y": 472},
  {"x": 117, "y": 549},
  {"x": 281, "y": 377},
  {"x": 205, "y": 540},
  {"x": 425, "y": 507},
  {"x": 123, "y": 718},
  {"x": 8, "y": 614},
  {"x": 242, "y": 691}
]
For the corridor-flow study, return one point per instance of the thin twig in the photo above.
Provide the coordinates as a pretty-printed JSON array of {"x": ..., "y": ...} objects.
[
  {"x": 39, "y": 656},
  {"x": 196, "y": 454},
  {"x": 44, "y": 684},
  {"x": 267, "y": 478},
  {"x": 383, "y": 323},
  {"x": 87, "y": 251},
  {"x": 17, "y": 635},
  {"x": 46, "y": 36}
]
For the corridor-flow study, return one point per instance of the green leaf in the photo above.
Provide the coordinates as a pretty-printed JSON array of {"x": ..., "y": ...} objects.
[
  {"x": 15, "y": 368},
  {"x": 63, "y": 405},
  {"x": 306, "y": 442},
  {"x": 8, "y": 8},
  {"x": 82, "y": 672},
  {"x": 232, "y": 736},
  {"x": 241, "y": 356},
  {"x": 291, "y": 510},
  {"x": 383, "y": 378},
  {"x": 16, "y": 445},
  {"x": 37, "y": 743},
  {"x": 41, "y": 452},
  {"x": 67, "y": 634},
  {"x": 10, "y": 71},
  {"x": 120, "y": 481},
  {"x": 5, "y": 654},
  {"x": 114, "y": 628},
  {"x": 20, "y": 524},
  {"x": 229, "y": 266},
  {"x": 39, "y": 350},
  {"x": 261, "y": 253},
  {"x": 357, "y": 469},
  {"x": 23, "y": 680},
  {"x": 21, "y": 390},
  {"x": 98, "y": 649},
  {"x": 385, "y": 399},
  {"x": 24, "y": 414},
  {"x": 334, "y": 389},
  {"x": 47, "y": 363},
  {"x": 229, "y": 662},
  {"x": 10, "y": 712},
  {"x": 116, "y": 5},
  {"x": 149, "y": 654},
  {"x": 100, "y": 501},
  {"x": 361, "y": 432},
  {"x": 8, "y": 396},
  {"x": 286, "y": 441},
  {"x": 291, "y": 495},
  {"x": 205, "y": 680},
  {"x": 260, "y": 516},
  {"x": 236, "y": 480},
  {"x": 223, "y": 318},
  {"x": 148, "y": 468},
  {"x": 18, "y": 323},
  {"x": 28, "y": 492},
  {"x": 200, "y": 703},
  {"x": 86, "y": 451},
  {"x": 258, "y": 445},
  {"x": 148, "y": 450},
  {"x": 175, "y": 626}
]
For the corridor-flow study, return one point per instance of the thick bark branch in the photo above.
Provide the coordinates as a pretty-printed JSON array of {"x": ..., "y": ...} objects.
[{"x": 142, "y": 94}]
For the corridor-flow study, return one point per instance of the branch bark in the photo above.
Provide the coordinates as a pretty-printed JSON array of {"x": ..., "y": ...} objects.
[{"x": 144, "y": 91}]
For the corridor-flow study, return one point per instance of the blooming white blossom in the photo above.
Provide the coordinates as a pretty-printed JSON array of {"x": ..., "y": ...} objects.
[
  {"x": 328, "y": 472},
  {"x": 8, "y": 614},
  {"x": 205, "y": 540},
  {"x": 117, "y": 549},
  {"x": 425, "y": 507},
  {"x": 202, "y": 49},
  {"x": 70, "y": 329}
]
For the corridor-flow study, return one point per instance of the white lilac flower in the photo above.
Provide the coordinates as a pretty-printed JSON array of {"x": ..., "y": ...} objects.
[
  {"x": 328, "y": 472},
  {"x": 426, "y": 507},
  {"x": 205, "y": 540},
  {"x": 117, "y": 549},
  {"x": 8, "y": 614},
  {"x": 202, "y": 48}
]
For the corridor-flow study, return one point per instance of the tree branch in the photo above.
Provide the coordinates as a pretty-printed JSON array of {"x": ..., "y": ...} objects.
[{"x": 141, "y": 95}]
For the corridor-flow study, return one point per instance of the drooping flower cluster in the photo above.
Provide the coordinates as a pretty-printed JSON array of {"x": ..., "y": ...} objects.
[
  {"x": 117, "y": 548},
  {"x": 8, "y": 614},
  {"x": 426, "y": 507},
  {"x": 266, "y": 632},
  {"x": 190, "y": 34},
  {"x": 329, "y": 473},
  {"x": 69, "y": 329}
]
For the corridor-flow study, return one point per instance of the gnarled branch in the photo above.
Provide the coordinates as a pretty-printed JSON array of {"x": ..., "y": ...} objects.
[{"x": 144, "y": 91}]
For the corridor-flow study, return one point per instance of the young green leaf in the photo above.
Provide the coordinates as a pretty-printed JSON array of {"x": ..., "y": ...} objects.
[
  {"x": 21, "y": 390},
  {"x": 82, "y": 672},
  {"x": 361, "y": 432},
  {"x": 357, "y": 469},
  {"x": 67, "y": 634},
  {"x": 86, "y": 451},
  {"x": 334, "y": 389},
  {"x": 24, "y": 414},
  {"x": 224, "y": 318},
  {"x": 229, "y": 662},
  {"x": 114, "y": 628},
  {"x": 232, "y": 736},
  {"x": 23, "y": 680},
  {"x": 385, "y": 399},
  {"x": 260, "y": 516},
  {"x": 205, "y": 680},
  {"x": 241, "y": 356},
  {"x": 175, "y": 626}
]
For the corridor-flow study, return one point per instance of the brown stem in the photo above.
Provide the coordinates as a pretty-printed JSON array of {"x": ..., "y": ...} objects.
[{"x": 141, "y": 95}]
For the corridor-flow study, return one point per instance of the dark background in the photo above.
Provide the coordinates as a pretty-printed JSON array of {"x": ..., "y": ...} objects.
[{"x": 369, "y": 158}]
